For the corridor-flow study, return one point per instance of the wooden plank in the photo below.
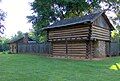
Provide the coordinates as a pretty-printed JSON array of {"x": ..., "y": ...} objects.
[
  {"x": 66, "y": 45},
  {"x": 98, "y": 35},
  {"x": 77, "y": 48},
  {"x": 76, "y": 52},
  {"x": 100, "y": 28},
  {"x": 61, "y": 52},
  {"x": 73, "y": 31},
  {"x": 77, "y": 55},
  {"x": 59, "y": 47},
  {"x": 56, "y": 45},
  {"x": 68, "y": 36},
  {"x": 69, "y": 29},
  {"x": 77, "y": 45},
  {"x": 81, "y": 49},
  {"x": 58, "y": 54},
  {"x": 100, "y": 31},
  {"x": 101, "y": 38}
]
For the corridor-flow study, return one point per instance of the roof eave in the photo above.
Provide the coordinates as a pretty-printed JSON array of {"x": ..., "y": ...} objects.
[{"x": 59, "y": 26}]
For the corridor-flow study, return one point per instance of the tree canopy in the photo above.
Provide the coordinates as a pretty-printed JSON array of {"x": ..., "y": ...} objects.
[
  {"x": 2, "y": 18},
  {"x": 49, "y": 11},
  {"x": 18, "y": 35}
]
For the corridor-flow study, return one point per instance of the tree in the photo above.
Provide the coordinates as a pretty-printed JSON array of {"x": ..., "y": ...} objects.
[
  {"x": 2, "y": 18},
  {"x": 4, "y": 44},
  {"x": 114, "y": 6},
  {"x": 49, "y": 11},
  {"x": 18, "y": 35}
]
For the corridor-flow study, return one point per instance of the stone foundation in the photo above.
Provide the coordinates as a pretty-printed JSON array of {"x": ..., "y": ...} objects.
[{"x": 99, "y": 49}]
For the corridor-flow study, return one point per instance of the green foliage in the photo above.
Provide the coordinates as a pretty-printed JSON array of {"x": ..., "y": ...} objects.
[
  {"x": 5, "y": 52},
  {"x": 2, "y": 18},
  {"x": 21, "y": 67},
  {"x": 49, "y": 11},
  {"x": 114, "y": 6},
  {"x": 18, "y": 35},
  {"x": 116, "y": 33},
  {"x": 3, "y": 44}
]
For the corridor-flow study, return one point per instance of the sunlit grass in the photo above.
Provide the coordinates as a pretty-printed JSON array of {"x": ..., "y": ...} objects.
[{"x": 20, "y": 67}]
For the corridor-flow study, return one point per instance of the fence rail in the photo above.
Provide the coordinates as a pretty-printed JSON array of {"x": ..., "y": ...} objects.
[
  {"x": 114, "y": 48},
  {"x": 43, "y": 48}
]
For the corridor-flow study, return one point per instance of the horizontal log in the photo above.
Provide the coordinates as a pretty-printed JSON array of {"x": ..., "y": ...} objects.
[
  {"x": 69, "y": 32},
  {"x": 62, "y": 45},
  {"x": 68, "y": 36},
  {"x": 76, "y": 45},
  {"x": 80, "y": 55},
  {"x": 81, "y": 32},
  {"x": 76, "y": 52},
  {"x": 68, "y": 29},
  {"x": 59, "y": 54},
  {"x": 59, "y": 51},
  {"x": 100, "y": 36},
  {"x": 99, "y": 28},
  {"x": 59, "y": 43},
  {"x": 100, "y": 31},
  {"x": 59, "y": 47}
]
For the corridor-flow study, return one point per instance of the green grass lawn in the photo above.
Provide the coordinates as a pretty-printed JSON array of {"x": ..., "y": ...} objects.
[{"x": 19, "y": 67}]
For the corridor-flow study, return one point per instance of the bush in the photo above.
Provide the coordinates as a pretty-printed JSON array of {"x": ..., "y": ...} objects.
[{"x": 5, "y": 52}]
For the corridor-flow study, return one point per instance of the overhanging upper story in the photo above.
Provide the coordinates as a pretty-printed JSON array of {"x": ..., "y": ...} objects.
[{"x": 89, "y": 27}]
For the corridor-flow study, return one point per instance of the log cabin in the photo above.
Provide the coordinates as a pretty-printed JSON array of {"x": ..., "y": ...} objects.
[
  {"x": 14, "y": 44},
  {"x": 85, "y": 37}
]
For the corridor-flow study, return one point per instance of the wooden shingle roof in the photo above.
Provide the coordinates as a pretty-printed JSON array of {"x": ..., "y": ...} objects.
[
  {"x": 79, "y": 20},
  {"x": 18, "y": 39}
]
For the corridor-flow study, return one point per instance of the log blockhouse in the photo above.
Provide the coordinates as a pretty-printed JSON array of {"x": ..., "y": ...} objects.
[
  {"x": 87, "y": 36},
  {"x": 14, "y": 44}
]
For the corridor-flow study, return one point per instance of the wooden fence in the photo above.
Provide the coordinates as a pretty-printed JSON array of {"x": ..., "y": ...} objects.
[
  {"x": 115, "y": 48},
  {"x": 43, "y": 48}
]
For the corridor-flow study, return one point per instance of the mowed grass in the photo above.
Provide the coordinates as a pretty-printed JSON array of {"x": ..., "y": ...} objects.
[{"x": 21, "y": 67}]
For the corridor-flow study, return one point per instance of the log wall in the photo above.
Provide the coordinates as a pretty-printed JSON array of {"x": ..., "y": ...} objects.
[
  {"x": 72, "y": 49},
  {"x": 69, "y": 33},
  {"x": 13, "y": 48},
  {"x": 59, "y": 48},
  {"x": 100, "y": 33}
]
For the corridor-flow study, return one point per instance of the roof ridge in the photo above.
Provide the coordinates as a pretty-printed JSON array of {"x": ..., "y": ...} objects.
[{"x": 75, "y": 20}]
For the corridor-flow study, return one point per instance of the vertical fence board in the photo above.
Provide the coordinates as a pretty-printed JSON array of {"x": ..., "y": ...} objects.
[
  {"x": 42, "y": 48},
  {"x": 114, "y": 48}
]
